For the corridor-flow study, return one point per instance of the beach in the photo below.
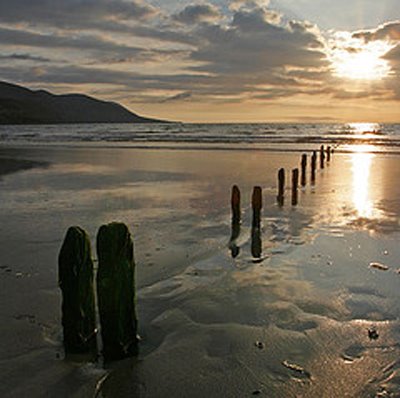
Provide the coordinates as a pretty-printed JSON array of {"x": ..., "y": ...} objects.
[{"x": 297, "y": 320}]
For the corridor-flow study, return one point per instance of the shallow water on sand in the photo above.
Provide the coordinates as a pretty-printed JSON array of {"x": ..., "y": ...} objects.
[{"x": 295, "y": 320}]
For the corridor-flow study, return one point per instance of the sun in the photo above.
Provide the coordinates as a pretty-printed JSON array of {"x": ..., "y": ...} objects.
[{"x": 356, "y": 60}]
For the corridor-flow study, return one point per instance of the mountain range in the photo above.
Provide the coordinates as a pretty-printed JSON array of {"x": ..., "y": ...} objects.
[{"x": 20, "y": 105}]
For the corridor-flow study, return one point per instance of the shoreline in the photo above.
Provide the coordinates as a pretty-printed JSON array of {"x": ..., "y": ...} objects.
[{"x": 310, "y": 299}]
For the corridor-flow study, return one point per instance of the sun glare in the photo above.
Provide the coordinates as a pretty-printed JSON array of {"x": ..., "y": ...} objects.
[
  {"x": 361, "y": 162},
  {"x": 354, "y": 59}
]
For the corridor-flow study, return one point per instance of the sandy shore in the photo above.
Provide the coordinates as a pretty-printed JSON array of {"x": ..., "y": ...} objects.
[{"x": 293, "y": 323}]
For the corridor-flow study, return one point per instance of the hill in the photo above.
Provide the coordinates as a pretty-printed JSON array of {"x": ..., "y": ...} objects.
[{"x": 19, "y": 105}]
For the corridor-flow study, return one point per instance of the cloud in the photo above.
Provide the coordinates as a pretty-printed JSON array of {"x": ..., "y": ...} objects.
[
  {"x": 196, "y": 13},
  {"x": 178, "y": 97},
  {"x": 253, "y": 44},
  {"x": 72, "y": 13},
  {"x": 24, "y": 57},
  {"x": 388, "y": 31},
  {"x": 137, "y": 53}
]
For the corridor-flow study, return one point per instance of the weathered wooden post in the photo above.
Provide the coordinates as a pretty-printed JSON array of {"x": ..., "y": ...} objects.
[
  {"x": 281, "y": 187},
  {"x": 295, "y": 184},
  {"x": 322, "y": 157},
  {"x": 75, "y": 273},
  {"x": 236, "y": 217},
  {"x": 303, "y": 170},
  {"x": 256, "y": 203},
  {"x": 235, "y": 205},
  {"x": 328, "y": 154},
  {"x": 116, "y": 291},
  {"x": 313, "y": 166}
]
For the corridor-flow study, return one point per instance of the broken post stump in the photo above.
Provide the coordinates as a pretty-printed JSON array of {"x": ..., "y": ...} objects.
[
  {"x": 303, "y": 170},
  {"x": 295, "y": 184},
  {"x": 281, "y": 187},
  {"x": 321, "y": 157},
  {"x": 75, "y": 273},
  {"x": 313, "y": 166},
  {"x": 235, "y": 205},
  {"x": 116, "y": 291}
]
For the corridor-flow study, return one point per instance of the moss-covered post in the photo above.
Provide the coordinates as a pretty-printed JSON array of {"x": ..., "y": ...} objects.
[
  {"x": 281, "y": 187},
  {"x": 295, "y": 185},
  {"x": 235, "y": 205},
  {"x": 313, "y": 166},
  {"x": 256, "y": 203},
  {"x": 116, "y": 291},
  {"x": 75, "y": 274},
  {"x": 322, "y": 157},
  {"x": 303, "y": 170}
]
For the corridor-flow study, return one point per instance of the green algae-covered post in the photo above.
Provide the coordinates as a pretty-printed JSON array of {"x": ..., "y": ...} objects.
[
  {"x": 303, "y": 169},
  {"x": 235, "y": 204},
  {"x": 281, "y": 187},
  {"x": 116, "y": 291},
  {"x": 313, "y": 166},
  {"x": 321, "y": 156},
  {"x": 75, "y": 271},
  {"x": 295, "y": 184}
]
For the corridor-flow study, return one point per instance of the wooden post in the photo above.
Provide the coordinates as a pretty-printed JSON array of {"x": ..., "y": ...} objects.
[
  {"x": 313, "y": 166},
  {"x": 75, "y": 273},
  {"x": 295, "y": 184},
  {"x": 281, "y": 187},
  {"x": 321, "y": 156},
  {"x": 116, "y": 291},
  {"x": 328, "y": 154},
  {"x": 256, "y": 203},
  {"x": 236, "y": 217},
  {"x": 303, "y": 170},
  {"x": 235, "y": 205}
]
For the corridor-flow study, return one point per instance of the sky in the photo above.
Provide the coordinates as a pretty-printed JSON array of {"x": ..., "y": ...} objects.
[{"x": 212, "y": 61}]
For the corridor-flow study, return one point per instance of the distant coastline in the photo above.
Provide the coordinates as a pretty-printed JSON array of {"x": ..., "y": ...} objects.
[{"x": 20, "y": 105}]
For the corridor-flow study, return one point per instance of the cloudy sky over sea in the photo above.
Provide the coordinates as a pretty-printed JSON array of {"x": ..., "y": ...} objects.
[{"x": 277, "y": 60}]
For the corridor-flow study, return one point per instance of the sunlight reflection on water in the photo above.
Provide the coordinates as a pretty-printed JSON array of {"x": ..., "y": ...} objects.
[{"x": 361, "y": 167}]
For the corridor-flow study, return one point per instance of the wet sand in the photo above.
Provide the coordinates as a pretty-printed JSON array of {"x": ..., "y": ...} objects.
[{"x": 294, "y": 322}]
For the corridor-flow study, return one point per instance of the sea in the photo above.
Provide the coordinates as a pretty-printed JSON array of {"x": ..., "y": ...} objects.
[{"x": 373, "y": 137}]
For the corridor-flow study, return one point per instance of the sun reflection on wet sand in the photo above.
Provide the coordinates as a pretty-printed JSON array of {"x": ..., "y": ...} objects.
[{"x": 361, "y": 167}]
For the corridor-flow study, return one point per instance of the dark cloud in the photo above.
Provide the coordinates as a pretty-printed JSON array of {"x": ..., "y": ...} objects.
[
  {"x": 178, "y": 97},
  {"x": 83, "y": 42},
  {"x": 252, "y": 44},
  {"x": 195, "y": 13},
  {"x": 393, "y": 54},
  {"x": 72, "y": 13},
  {"x": 24, "y": 57}
]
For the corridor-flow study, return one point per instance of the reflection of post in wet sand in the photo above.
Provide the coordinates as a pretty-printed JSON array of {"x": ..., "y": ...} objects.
[
  {"x": 256, "y": 203},
  {"x": 236, "y": 217},
  {"x": 235, "y": 232}
]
